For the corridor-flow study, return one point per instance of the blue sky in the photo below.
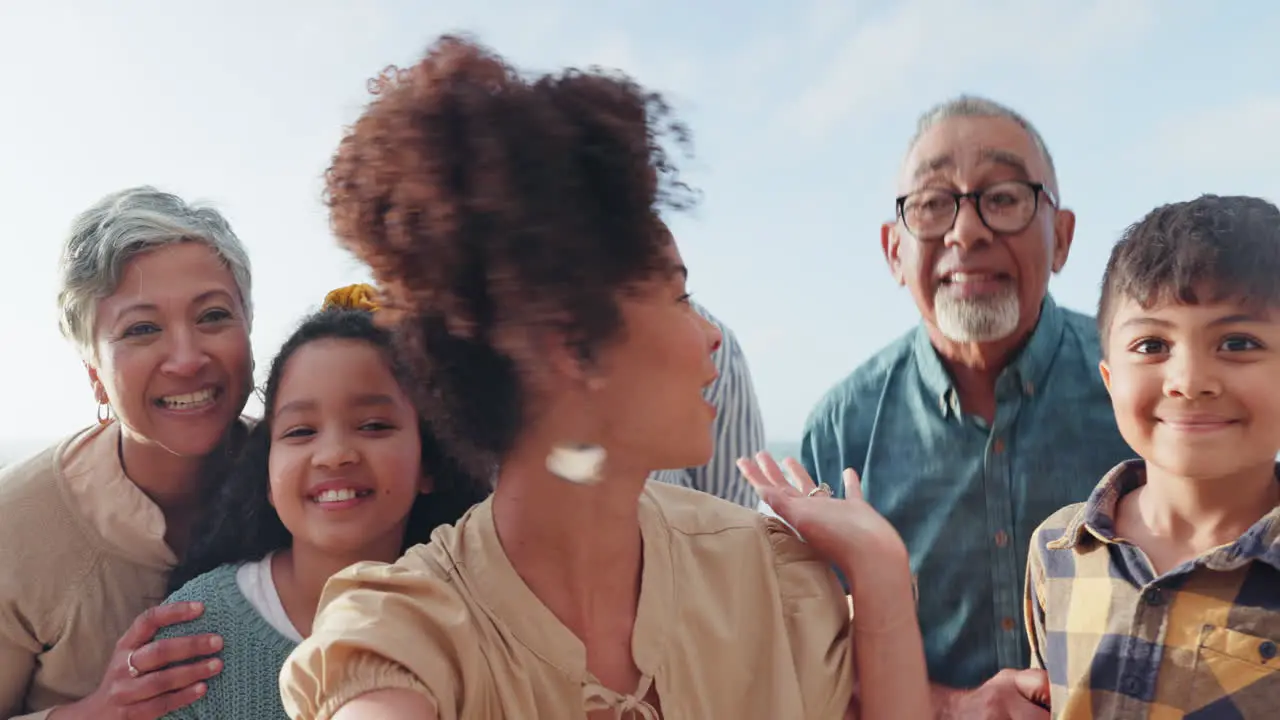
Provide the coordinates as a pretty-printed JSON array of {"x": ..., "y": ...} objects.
[{"x": 800, "y": 112}]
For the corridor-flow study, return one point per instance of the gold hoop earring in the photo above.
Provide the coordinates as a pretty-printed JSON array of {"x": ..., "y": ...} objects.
[{"x": 104, "y": 413}]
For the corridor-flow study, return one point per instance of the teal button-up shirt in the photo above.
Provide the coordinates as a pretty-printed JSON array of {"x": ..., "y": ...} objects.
[{"x": 966, "y": 496}]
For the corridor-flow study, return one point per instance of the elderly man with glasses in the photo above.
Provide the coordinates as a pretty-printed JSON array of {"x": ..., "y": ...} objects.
[{"x": 974, "y": 427}]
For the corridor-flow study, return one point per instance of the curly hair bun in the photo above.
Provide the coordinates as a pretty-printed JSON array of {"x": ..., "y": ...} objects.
[
  {"x": 470, "y": 191},
  {"x": 488, "y": 204}
]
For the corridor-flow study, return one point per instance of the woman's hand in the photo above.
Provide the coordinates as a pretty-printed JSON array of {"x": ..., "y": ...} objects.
[
  {"x": 848, "y": 532},
  {"x": 139, "y": 683}
]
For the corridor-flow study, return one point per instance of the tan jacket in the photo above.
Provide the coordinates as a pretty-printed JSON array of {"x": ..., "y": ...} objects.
[
  {"x": 737, "y": 618},
  {"x": 82, "y": 553}
]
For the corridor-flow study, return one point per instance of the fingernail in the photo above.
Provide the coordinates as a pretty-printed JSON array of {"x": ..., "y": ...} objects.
[
  {"x": 201, "y": 688},
  {"x": 215, "y": 643},
  {"x": 214, "y": 665},
  {"x": 195, "y": 606}
]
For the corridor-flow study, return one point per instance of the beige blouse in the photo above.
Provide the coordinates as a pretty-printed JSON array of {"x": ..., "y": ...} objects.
[
  {"x": 83, "y": 554},
  {"x": 737, "y": 619}
]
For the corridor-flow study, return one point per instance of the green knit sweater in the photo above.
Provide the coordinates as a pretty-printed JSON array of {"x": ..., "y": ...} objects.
[{"x": 248, "y": 688}]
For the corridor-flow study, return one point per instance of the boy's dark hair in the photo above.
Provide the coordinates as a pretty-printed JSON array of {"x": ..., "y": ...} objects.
[
  {"x": 242, "y": 525},
  {"x": 1200, "y": 251},
  {"x": 492, "y": 206}
]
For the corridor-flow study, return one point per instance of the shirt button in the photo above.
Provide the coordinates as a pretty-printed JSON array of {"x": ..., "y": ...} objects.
[
  {"x": 998, "y": 446},
  {"x": 1131, "y": 686},
  {"x": 1154, "y": 597},
  {"x": 1007, "y": 624},
  {"x": 1002, "y": 538},
  {"x": 1267, "y": 650}
]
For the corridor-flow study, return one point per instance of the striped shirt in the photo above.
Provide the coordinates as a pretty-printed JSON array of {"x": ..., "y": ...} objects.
[
  {"x": 739, "y": 426},
  {"x": 1199, "y": 641}
]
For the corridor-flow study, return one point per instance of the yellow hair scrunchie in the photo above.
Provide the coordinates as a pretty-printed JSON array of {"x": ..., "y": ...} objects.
[{"x": 360, "y": 296}]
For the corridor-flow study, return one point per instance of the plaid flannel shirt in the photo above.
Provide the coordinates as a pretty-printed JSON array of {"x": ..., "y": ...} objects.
[{"x": 1199, "y": 641}]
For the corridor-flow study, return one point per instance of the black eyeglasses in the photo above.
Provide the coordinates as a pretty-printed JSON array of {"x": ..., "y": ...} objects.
[{"x": 1006, "y": 207}]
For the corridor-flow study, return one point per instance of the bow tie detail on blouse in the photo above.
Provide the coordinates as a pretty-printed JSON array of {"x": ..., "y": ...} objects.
[{"x": 598, "y": 697}]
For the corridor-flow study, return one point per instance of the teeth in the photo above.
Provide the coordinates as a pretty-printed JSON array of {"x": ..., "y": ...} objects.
[
  {"x": 966, "y": 277},
  {"x": 189, "y": 400},
  {"x": 336, "y": 495}
]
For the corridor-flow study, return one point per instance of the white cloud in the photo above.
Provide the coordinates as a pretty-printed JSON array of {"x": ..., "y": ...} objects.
[{"x": 921, "y": 44}]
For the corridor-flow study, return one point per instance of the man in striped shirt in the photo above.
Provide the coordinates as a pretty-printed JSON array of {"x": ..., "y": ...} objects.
[{"x": 739, "y": 428}]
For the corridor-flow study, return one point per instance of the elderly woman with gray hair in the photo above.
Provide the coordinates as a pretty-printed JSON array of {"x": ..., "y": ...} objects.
[{"x": 155, "y": 296}]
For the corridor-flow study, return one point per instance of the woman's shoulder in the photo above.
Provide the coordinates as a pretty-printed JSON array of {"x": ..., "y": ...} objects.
[
  {"x": 40, "y": 528},
  {"x": 693, "y": 512},
  {"x": 707, "y": 531},
  {"x": 34, "y": 490},
  {"x": 33, "y": 478}
]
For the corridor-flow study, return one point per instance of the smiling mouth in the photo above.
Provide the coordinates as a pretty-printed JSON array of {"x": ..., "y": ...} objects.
[
  {"x": 969, "y": 278},
  {"x": 1198, "y": 425},
  {"x": 197, "y": 400},
  {"x": 338, "y": 496}
]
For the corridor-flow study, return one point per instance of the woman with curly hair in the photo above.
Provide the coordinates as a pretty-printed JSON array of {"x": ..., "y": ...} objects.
[{"x": 513, "y": 224}]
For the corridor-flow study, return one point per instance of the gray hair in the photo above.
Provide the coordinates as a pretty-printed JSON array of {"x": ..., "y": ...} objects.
[
  {"x": 975, "y": 106},
  {"x": 121, "y": 226}
]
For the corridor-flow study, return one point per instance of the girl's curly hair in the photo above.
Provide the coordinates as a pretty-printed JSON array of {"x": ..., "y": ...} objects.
[
  {"x": 491, "y": 206},
  {"x": 241, "y": 524}
]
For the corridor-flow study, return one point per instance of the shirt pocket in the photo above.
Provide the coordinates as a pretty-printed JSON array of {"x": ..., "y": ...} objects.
[{"x": 1234, "y": 664}]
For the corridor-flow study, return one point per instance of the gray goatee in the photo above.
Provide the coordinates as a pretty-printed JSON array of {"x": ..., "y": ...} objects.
[{"x": 976, "y": 319}]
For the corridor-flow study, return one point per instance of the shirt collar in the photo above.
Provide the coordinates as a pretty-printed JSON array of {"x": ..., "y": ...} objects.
[
  {"x": 105, "y": 498},
  {"x": 1028, "y": 368},
  {"x": 507, "y": 596},
  {"x": 1095, "y": 523}
]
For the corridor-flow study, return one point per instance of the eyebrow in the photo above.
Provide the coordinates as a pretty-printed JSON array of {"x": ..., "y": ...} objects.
[
  {"x": 152, "y": 307},
  {"x": 1233, "y": 319},
  {"x": 360, "y": 401},
  {"x": 991, "y": 155}
]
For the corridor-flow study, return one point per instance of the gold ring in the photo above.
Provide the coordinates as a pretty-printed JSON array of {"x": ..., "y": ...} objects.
[
  {"x": 822, "y": 489},
  {"x": 133, "y": 671}
]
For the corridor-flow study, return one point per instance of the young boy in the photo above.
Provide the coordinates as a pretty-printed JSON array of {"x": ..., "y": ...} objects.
[{"x": 1159, "y": 597}]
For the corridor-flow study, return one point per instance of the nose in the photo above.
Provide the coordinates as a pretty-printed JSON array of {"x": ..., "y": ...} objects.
[
  {"x": 333, "y": 450},
  {"x": 714, "y": 337},
  {"x": 187, "y": 357},
  {"x": 1190, "y": 377},
  {"x": 968, "y": 230}
]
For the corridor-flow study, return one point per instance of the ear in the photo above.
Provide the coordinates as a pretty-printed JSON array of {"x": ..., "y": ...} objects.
[
  {"x": 1105, "y": 371},
  {"x": 99, "y": 391},
  {"x": 565, "y": 363},
  {"x": 1064, "y": 230},
  {"x": 890, "y": 244}
]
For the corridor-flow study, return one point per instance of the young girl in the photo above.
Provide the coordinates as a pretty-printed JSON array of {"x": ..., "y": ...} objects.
[{"x": 340, "y": 470}]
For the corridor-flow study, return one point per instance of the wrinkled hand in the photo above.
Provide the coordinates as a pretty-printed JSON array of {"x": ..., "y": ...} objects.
[
  {"x": 1010, "y": 695},
  {"x": 848, "y": 532},
  {"x": 165, "y": 680}
]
